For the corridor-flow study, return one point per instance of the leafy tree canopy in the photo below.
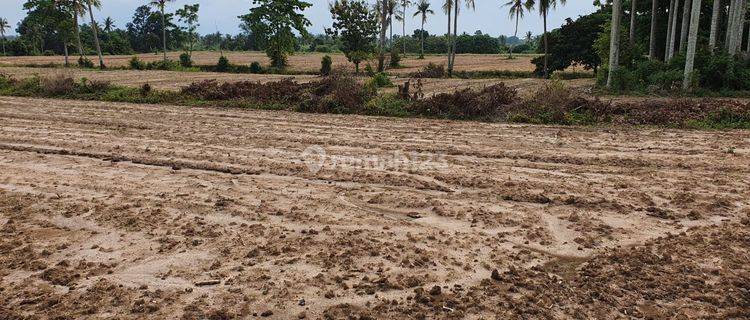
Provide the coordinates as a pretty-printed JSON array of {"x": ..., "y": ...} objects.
[{"x": 273, "y": 23}]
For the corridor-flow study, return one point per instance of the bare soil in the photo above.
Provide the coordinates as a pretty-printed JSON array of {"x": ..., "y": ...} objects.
[
  {"x": 129, "y": 211},
  {"x": 308, "y": 62}
]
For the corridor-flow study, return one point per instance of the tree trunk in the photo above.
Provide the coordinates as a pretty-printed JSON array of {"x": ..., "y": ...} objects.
[
  {"x": 652, "y": 35},
  {"x": 669, "y": 30},
  {"x": 455, "y": 37},
  {"x": 546, "y": 43},
  {"x": 163, "y": 32},
  {"x": 78, "y": 35},
  {"x": 4, "y": 53},
  {"x": 740, "y": 26},
  {"x": 421, "y": 39},
  {"x": 715, "y": 17},
  {"x": 515, "y": 34},
  {"x": 685, "y": 24},
  {"x": 403, "y": 28},
  {"x": 65, "y": 51},
  {"x": 692, "y": 40},
  {"x": 95, "y": 28},
  {"x": 730, "y": 25},
  {"x": 673, "y": 34},
  {"x": 449, "y": 36},
  {"x": 381, "y": 40},
  {"x": 614, "y": 42},
  {"x": 631, "y": 37}
]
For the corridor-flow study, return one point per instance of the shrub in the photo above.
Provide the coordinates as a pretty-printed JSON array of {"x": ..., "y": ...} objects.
[
  {"x": 57, "y": 85},
  {"x": 395, "y": 60},
  {"x": 223, "y": 64},
  {"x": 323, "y": 48},
  {"x": 390, "y": 105},
  {"x": 85, "y": 63},
  {"x": 431, "y": 70},
  {"x": 380, "y": 80},
  {"x": 167, "y": 65},
  {"x": 337, "y": 93},
  {"x": 95, "y": 86},
  {"x": 485, "y": 104},
  {"x": 137, "y": 64},
  {"x": 325, "y": 65},
  {"x": 283, "y": 91},
  {"x": 185, "y": 60},
  {"x": 255, "y": 67},
  {"x": 369, "y": 71},
  {"x": 145, "y": 89}
]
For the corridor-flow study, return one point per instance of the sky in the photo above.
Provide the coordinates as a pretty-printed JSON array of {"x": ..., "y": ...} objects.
[{"x": 221, "y": 15}]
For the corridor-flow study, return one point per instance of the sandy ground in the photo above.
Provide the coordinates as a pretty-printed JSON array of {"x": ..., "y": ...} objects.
[
  {"x": 174, "y": 80},
  {"x": 305, "y": 61},
  {"x": 141, "y": 211}
]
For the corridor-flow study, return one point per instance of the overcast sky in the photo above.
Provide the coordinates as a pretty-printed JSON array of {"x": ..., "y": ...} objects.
[{"x": 490, "y": 16}]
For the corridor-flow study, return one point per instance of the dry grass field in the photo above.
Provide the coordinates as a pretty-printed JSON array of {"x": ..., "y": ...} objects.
[
  {"x": 146, "y": 211},
  {"x": 308, "y": 62}
]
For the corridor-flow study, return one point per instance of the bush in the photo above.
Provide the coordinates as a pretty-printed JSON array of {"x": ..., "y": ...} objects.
[
  {"x": 255, "y": 67},
  {"x": 57, "y": 85},
  {"x": 325, "y": 65},
  {"x": 485, "y": 104},
  {"x": 85, "y": 63},
  {"x": 323, "y": 48},
  {"x": 283, "y": 91},
  {"x": 185, "y": 60},
  {"x": 94, "y": 86},
  {"x": 223, "y": 64},
  {"x": 395, "y": 61},
  {"x": 380, "y": 80},
  {"x": 167, "y": 65},
  {"x": 137, "y": 64},
  {"x": 337, "y": 93},
  {"x": 556, "y": 104},
  {"x": 431, "y": 70},
  {"x": 389, "y": 105},
  {"x": 145, "y": 89}
]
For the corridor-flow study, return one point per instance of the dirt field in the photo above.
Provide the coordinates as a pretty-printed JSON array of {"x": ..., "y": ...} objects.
[
  {"x": 305, "y": 61},
  {"x": 174, "y": 80},
  {"x": 141, "y": 211}
]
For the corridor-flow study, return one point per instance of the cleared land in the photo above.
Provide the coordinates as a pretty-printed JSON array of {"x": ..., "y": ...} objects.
[
  {"x": 165, "y": 211},
  {"x": 307, "y": 62}
]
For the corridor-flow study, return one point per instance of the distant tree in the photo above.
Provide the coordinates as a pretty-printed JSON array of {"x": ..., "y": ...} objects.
[
  {"x": 574, "y": 43},
  {"x": 96, "y": 4},
  {"x": 423, "y": 9},
  {"x": 456, "y": 5},
  {"x": 189, "y": 16},
  {"x": 160, "y": 4},
  {"x": 404, "y": 4},
  {"x": 3, "y": 26},
  {"x": 356, "y": 26},
  {"x": 273, "y": 23},
  {"x": 516, "y": 10},
  {"x": 544, "y": 7},
  {"x": 109, "y": 24}
]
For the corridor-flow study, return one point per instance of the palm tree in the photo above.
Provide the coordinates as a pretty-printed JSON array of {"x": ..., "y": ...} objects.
[
  {"x": 672, "y": 30},
  {"x": 470, "y": 5},
  {"x": 3, "y": 26},
  {"x": 448, "y": 9},
  {"x": 652, "y": 36},
  {"x": 516, "y": 11},
  {"x": 160, "y": 4},
  {"x": 614, "y": 42},
  {"x": 109, "y": 24},
  {"x": 692, "y": 40},
  {"x": 78, "y": 9},
  {"x": 404, "y": 5},
  {"x": 544, "y": 6},
  {"x": 529, "y": 35},
  {"x": 392, "y": 14},
  {"x": 91, "y": 4},
  {"x": 423, "y": 9},
  {"x": 684, "y": 24},
  {"x": 715, "y": 17},
  {"x": 631, "y": 36}
]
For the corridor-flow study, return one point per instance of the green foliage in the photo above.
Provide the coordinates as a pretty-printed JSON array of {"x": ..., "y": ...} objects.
[
  {"x": 166, "y": 65},
  {"x": 356, "y": 26},
  {"x": 395, "y": 60},
  {"x": 255, "y": 67},
  {"x": 387, "y": 105},
  {"x": 188, "y": 15},
  {"x": 223, "y": 64},
  {"x": 380, "y": 80},
  {"x": 273, "y": 23},
  {"x": 185, "y": 60},
  {"x": 325, "y": 65},
  {"x": 573, "y": 43}
]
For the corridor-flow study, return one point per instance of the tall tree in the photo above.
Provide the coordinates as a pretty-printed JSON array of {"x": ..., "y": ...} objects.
[
  {"x": 356, "y": 26},
  {"x": 715, "y": 17},
  {"x": 423, "y": 9},
  {"x": 382, "y": 9},
  {"x": 692, "y": 40},
  {"x": 161, "y": 4},
  {"x": 189, "y": 16},
  {"x": 3, "y": 26},
  {"x": 404, "y": 4},
  {"x": 633, "y": 9},
  {"x": 672, "y": 30},
  {"x": 109, "y": 25},
  {"x": 652, "y": 34},
  {"x": 684, "y": 25},
  {"x": 544, "y": 7},
  {"x": 516, "y": 10},
  {"x": 456, "y": 5},
  {"x": 614, "y": 42},
  {"x": 78, "y": 9},
  {"x": 95, "y": 28},
  {"x": 393, "y": 14},
  {"x": 448, "y": 9},
  {"x": 273, "y": 24}
]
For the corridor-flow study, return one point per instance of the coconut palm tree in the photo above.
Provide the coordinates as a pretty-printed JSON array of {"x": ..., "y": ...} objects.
[
  {"x": 652, "y": 35},
  {"x": 404, "y": 5},
  {"x": 456, "y": 4},
  {"x": 684, "y": 25},
  {"x": 78, "y": 8},
  {"x": 3, "y": 26},
  {"x": 516, "y": 10},
  {"x": 160, "y": 4},
  {"x": 692, "y": 40},
  {"x": 631, "y": 36},
  {"x": 528, "y": 37},
  {"x": 109, "y": 24},
  {"x": 95, "y": 4},
  {"x": 423, "y": 9},
  {"x": 448, "y": 9},
  {"x": 544, "y": 7},
  {"x": 614, "y": 42},
  {"x": 671, "y": 30},
  {"x": 715, "y": 17},
  {"x": 392, "y": 14}
]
